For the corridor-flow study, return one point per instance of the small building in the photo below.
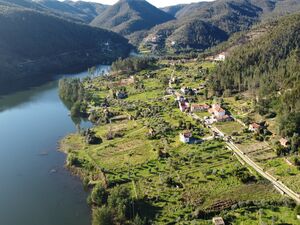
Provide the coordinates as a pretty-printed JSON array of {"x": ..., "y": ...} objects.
[
  {"x": 220, "y": 57},
  {"x": 199, "y": 107},
  {"x": 218, "y": 221},
  {"x": 121, "y": 95},
  {"x": 185, "y": 137},
  {"x": 284, "y": 142},
  {"x": 183, "y": 106},
  {"x": 254, "y": 127},
  {"x": 185, "y": 90},
  {"x": 217, "y": 110}
]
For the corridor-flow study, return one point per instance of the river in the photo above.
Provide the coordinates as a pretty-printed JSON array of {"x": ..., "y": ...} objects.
[{"x": 35, "y": 188}]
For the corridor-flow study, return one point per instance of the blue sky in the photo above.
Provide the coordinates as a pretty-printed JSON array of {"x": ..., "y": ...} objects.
[{"x": 158, "y": 3}]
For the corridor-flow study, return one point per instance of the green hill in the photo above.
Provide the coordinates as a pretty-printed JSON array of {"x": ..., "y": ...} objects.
[
  {"x": 268, "y": 68},
  {"x": 37, "y": 44},
  {"x": 129, "y": 16}
]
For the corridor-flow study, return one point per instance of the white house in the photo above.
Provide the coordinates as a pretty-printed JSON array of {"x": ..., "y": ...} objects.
[
  {"x": 217, "y": 110},
  {"x": 220, "y": 57},
  {"x": 185, "y": 137},
  {"x": 183, "y": 106},
  {"x": 284, "y": 142},
  {"x": 218, "y": 221}
]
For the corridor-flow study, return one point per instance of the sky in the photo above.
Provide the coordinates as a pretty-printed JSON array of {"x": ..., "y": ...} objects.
[{"x": 157, "y": 3}]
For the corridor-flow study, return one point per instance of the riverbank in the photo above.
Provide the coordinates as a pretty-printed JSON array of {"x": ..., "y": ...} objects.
[
  {"x": 139, "y": 125},
  {"x": 34, "y": 178}
]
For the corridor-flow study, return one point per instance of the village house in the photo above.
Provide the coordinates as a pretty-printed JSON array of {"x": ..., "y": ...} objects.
[
  {"x": 185, "y": 137},
  {"x": 218, "y": 221},
  {"x": 217, "y": 111},
  {"x": 284, "y": 142},
  {"x": 254, "y": 127},
  {"x": 199, "y": 107},
  {"x": 220, "y": 57},
  {"x": 185, "y": 90},
  {"x": 121, "y": 95},
  {"x": 183, "y": 106}
]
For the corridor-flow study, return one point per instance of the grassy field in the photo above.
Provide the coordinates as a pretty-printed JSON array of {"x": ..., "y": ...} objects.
[
  {"x": 254, "y": 216},
  {"x": 229, "y": 127}
]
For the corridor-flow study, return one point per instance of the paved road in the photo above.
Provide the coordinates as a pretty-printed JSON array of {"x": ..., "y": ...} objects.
[{"x": 277, "y": 184}]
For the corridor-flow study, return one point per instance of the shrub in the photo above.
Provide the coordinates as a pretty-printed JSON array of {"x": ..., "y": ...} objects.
[
  {"x": 297, "y": 210},
  {"x": 103, "y": 216},
  {"x": 99, "y": 195}
]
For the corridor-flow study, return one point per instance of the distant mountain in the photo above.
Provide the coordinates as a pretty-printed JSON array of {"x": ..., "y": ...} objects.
[
  {"x": 172, "y": 10},
  {"x": 225, "y": 16},
  {"x": 191, "y": 9},
  {"x": 282, "y": 8},
  {"x": 129, "y": 16},
  {"x": 79, "y": 11},
  {"x": 84, "y": 11},
  {"x": 37, "y": 44},
  {"x": 90, "y": 9}
]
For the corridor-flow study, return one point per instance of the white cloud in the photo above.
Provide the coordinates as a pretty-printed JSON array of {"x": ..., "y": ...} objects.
[{"x": 158, "y": 3}]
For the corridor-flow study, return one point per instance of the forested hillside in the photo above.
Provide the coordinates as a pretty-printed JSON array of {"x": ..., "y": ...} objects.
[
  {"x": 128, "y": 16},
  {"x": 269, "y": 69},
  {"x": 228, "y": 16},
  {"x": 78, "y": 11},
  {"x": 33, "y": 43},
  {"x": 83, "y": 11}
]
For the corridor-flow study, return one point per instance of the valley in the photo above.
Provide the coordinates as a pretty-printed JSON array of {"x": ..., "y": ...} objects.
[{"x": 195, "y": 120}]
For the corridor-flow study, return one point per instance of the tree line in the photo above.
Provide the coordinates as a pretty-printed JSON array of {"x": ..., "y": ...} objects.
[{"x": 269, "y": 69}]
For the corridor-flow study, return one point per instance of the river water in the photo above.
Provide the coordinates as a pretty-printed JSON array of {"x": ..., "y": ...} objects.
[{"x": 35, "y": 188}]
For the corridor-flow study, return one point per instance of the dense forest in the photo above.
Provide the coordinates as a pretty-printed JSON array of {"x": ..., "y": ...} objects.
[
  {"x": 35, "y": 44},
  {"x": 269, "y": 69},
  {"x": 132, "y": 64},
  {"x": 78, "y": 11}
]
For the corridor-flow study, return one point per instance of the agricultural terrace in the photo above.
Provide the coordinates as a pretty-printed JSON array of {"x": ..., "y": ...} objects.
[{"x": 170, "y": 182}]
